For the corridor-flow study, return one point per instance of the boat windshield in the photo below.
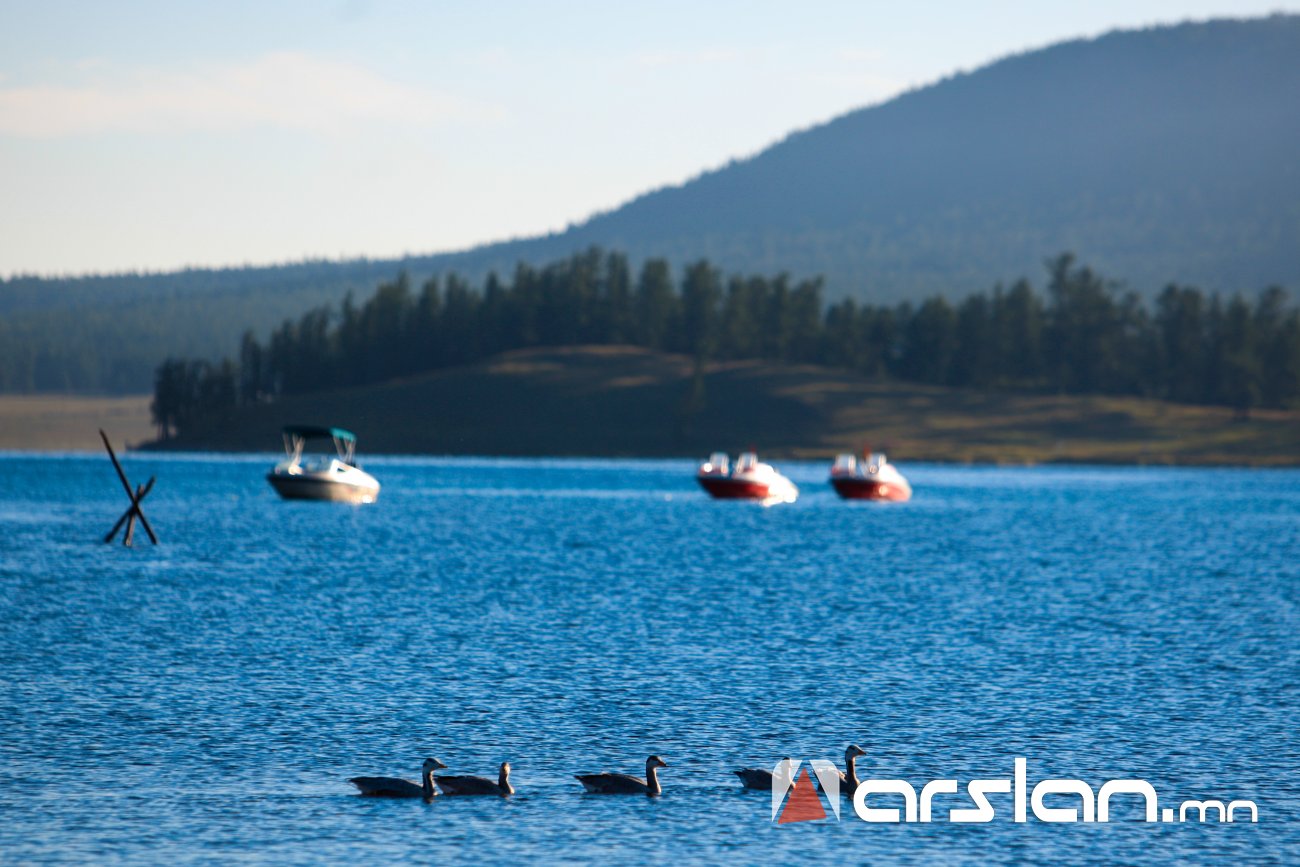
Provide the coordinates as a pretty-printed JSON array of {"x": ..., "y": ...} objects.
[
  {"x": 718, "y": 463},
  {"x": 319, "y": 464},
  {"x": 746, "y": 462},
  {"x": 845, "y": 465}
]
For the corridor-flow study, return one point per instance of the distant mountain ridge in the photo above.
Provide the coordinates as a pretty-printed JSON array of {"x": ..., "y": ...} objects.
[{"x": 1158, "y": 155}]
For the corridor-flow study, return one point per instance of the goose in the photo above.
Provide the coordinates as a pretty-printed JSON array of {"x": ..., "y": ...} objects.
[
  {"x": 464, "y": 785},
  {"x": 849, "y": 776},
  {"x": 395, "y": 787},
  {"x": 625, "y": 784},
  {"x": 761, "y": 778}
]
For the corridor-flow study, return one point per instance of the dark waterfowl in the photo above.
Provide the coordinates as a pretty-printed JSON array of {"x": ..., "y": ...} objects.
[
  {"x": 466, "y": 785},
  {"x": 849, "y": 777},
  {"x": 625, "y": 784},
  {"x": 760, "y": 779},
  {"x": 396, "y": 787}
]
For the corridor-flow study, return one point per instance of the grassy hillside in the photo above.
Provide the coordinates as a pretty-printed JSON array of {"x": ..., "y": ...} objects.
[
  {"x": 1158, "y": 155},
  {"x": 58, "y": 423},
  {"x": 620, "y": 401}
]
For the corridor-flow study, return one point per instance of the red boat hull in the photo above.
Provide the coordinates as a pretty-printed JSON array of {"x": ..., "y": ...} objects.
[
  {"x": 870, "y": 489},
  {"x": 723, "y": 488}
]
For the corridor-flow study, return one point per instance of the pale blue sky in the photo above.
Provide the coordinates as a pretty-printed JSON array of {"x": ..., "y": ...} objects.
[{"x": 151, "y": 135}]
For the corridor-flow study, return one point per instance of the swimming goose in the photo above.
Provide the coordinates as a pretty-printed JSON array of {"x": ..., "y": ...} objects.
[
  {"x": 761, "y": 778},
  {"x": 624, "y": 784},
  {"x": 848, "y": 781},
  {"x": 849, "y": 777},
  {"x": 395, "y": 787},
  {"x": 464, "y": 785}
]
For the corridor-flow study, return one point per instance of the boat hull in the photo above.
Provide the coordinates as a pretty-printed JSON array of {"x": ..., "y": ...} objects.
[
  {"x": 308, "y": 487},
  {"x": 871, "y": 489},
  {"x": 724, "y": 488}
]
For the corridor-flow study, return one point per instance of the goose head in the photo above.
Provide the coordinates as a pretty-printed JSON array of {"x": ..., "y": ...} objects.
[
  {"x": 854, "y": 751},
  {"x": 430, "y": 765},
  {"x": 504, "y": 770},
  {"x": 655, "y": 762}
]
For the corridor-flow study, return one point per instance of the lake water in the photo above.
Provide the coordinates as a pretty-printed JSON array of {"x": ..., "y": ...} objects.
[{"x": 207, "y": 700}]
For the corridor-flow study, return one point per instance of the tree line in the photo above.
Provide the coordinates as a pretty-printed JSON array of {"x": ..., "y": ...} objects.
[{"x": 1083, "y": 335}]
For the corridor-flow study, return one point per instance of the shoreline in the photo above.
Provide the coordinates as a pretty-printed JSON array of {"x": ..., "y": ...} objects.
[{"x": 247, "y": 455}]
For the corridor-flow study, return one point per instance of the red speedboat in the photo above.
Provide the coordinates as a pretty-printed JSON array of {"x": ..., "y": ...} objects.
[
  {"x": 749, "y": 480},
  {"x": 874, "y": 479}
]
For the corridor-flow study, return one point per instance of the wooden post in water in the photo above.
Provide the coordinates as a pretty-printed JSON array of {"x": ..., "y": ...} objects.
[
  {"x": 129, "y": 536},
  {"x": 128, "y": 517},
  {"x": 135, "y": 496}
]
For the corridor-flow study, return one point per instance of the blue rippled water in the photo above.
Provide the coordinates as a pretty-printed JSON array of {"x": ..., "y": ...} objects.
[{"x": 208, "y": 699}]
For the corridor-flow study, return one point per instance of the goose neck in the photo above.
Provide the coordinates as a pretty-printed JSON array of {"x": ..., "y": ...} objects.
[{"x": 426, "y": 784}]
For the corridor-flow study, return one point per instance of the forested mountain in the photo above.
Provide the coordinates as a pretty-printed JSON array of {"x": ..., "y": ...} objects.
[
  {"x": 1162, "y": 155},
  {"x": 1084, "y": 336},
  {"x": 108, "y": 333}
]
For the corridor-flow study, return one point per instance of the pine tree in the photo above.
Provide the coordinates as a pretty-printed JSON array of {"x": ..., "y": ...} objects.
[
  {"x": 701, "y": 292},
  {"x": 655, "y": 304}
]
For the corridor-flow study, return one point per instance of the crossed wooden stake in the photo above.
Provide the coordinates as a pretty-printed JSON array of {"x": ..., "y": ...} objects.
[{"x": 129, "y": 516}]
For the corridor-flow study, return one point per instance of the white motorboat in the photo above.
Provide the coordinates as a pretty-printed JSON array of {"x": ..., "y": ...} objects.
[
  {"x": 873, "y": 479},
  {"x": 322, "y": 477},
  {"x": 748, "y": 480}
]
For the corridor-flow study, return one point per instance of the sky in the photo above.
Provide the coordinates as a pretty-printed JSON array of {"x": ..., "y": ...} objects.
[{"x": 158, "y": 135}]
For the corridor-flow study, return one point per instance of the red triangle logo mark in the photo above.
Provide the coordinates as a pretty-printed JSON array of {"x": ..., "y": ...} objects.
[{"x": 803, "y": 805}]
